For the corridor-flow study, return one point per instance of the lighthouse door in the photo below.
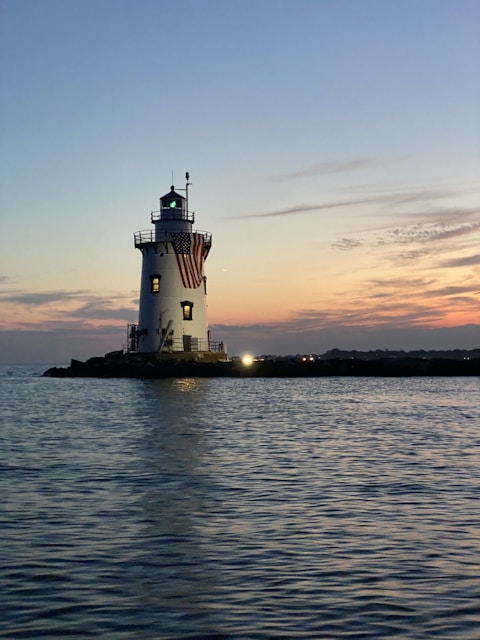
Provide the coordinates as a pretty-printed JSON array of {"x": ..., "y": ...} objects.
[{"x": 187, "y": 343}]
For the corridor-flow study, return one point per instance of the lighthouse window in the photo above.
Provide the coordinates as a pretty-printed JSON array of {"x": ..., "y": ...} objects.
[
  {"x": 187, "y": 308},
  {"x": 155, "y": 283}
]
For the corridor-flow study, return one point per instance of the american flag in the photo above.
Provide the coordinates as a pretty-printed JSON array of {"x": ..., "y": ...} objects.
[{"x": 189, "y": 252}]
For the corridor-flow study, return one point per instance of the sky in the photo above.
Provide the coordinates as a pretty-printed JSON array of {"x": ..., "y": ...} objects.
[{"x": 334, "y": 153}]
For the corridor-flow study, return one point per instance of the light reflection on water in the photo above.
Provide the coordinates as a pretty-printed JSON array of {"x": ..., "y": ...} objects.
[{"x": 219, "y": 508}]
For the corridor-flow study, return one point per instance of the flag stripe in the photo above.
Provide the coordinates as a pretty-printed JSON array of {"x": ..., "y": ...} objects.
[{"x": 189, "y": 258}]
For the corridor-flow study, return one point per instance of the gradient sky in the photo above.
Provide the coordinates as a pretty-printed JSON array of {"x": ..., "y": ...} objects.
[{"x": 333, "y": 147}]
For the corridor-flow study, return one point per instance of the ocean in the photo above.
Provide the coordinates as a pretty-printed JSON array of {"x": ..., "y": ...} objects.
[{"x": 242, "y": 509}]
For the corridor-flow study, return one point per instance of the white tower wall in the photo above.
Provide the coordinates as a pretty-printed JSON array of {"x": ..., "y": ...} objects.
[{"x": 162, "y": 314}]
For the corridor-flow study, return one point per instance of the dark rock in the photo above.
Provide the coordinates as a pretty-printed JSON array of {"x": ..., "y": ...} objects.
[{"x": 114, "y": 355}]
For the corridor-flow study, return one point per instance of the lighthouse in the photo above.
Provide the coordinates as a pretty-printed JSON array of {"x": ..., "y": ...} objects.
[{"x": 172, "y": 317}]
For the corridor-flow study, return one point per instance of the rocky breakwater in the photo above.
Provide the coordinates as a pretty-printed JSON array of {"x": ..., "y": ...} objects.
[{"x": 120, "y": 365}]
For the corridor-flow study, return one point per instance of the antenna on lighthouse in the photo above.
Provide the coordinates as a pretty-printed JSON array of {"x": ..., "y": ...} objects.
[{"x": 187, "y": 178}]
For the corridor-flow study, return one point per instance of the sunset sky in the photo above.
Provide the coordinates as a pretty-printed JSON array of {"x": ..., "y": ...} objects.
[{"x": 333, "y": 147}]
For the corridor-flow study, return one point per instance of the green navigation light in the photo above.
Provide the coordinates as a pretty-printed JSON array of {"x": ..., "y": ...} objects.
[{"x": 173, "y": 204}]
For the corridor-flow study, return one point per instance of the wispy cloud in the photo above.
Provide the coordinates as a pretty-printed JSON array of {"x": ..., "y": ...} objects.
[
  {"x": 419, "y": 288},
  {"x": 453, "y": 290},
  {"x": 306, "y": 208},
  {"x": 346, "y": 244},
  {"x": 41, "y": 298},
  {"x": 332, "y": 166},
  {"x": 407, "y": 257},
  {"x": 82, "y": 306},
  {"x": 417, "y": 300},
  {"x": 413, "y": 235},
  {"x": 467, "y": 261},
  {"x": 445, "y": 215},
  {"x": 396, "y": 199},
  {"x": 100, "y": 309},
  {"x": 400, "y": 283},
  {"x": 90, "y": 301},
  {"x": 420, "y": 233}
]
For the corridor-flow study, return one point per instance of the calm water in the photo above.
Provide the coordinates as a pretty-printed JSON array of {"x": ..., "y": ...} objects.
[{"x": 242, "y": 509}]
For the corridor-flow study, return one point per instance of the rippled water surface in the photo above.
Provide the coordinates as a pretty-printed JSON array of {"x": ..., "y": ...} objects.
[{"x": 239, "y": 508}]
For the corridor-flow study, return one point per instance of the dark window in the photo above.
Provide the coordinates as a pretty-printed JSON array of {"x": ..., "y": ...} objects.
[
  {"x": 187, "y": 308},
  {"x": 155, "y": 283}
]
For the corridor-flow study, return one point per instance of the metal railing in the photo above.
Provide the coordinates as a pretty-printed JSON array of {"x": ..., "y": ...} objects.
[
  {"x": 176, "y": 345},
  {"x": 173, "y": 214},
  {"x": 149, "y": 236}
]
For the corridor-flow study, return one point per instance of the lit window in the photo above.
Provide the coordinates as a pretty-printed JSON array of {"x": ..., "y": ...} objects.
[
  {"x": 155, "y": 283},
  {"x": 187, "y": 308}
]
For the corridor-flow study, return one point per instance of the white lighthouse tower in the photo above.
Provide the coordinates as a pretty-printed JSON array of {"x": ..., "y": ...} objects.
[{"x": 173, "y": 308}]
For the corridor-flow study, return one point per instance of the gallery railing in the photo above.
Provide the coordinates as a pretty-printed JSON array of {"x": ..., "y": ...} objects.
[{"x": 142, "y": 238}]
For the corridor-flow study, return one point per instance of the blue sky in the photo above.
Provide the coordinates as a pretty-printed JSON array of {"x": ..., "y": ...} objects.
[{"x": 334, "y": 149}]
